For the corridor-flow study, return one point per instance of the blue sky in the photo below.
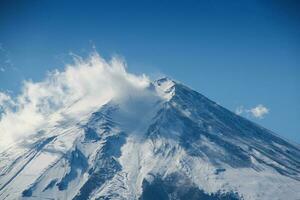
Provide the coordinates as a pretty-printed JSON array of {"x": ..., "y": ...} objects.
[{"x": 238, "y": 53}]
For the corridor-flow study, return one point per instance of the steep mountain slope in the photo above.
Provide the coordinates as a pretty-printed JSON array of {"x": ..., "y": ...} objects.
[{"x": 173, "y": 143}]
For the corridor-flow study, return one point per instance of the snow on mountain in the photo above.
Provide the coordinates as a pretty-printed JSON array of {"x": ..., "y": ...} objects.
[{"x": 169, "y": 142}]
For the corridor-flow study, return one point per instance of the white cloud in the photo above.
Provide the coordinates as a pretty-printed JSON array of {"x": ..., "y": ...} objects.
[
  {"x": 3, "y": 98},
  {"x": 258, "y": 111},
  {"x": 79, "y": 89},
  {"x": 5, "y": 103}
]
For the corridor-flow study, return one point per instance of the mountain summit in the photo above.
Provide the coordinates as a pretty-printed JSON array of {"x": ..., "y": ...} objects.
[{"x": 168, "y": 143}]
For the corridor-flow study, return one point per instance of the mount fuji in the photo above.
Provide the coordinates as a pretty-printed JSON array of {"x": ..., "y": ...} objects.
[{"x": 169, "y": 143}]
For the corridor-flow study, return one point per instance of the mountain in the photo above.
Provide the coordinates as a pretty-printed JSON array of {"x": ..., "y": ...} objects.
[{"x": 172, "y": 143}]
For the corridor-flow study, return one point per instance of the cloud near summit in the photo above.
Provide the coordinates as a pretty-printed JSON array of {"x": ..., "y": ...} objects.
[
  {"x": 81, "y": 87},
  {"x": 258, "y": 111}
]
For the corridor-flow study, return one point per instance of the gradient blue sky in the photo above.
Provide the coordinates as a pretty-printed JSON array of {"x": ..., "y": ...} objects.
[{"x": 238, "y": 53}]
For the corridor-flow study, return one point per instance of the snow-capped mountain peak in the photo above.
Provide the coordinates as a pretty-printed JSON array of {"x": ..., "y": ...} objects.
[
  {"x": 168, "y": 143},
  {"x": 165, "y": 87}
]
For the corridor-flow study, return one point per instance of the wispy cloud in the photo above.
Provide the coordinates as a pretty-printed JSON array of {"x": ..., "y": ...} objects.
[
  {"x": 5, "y": 61},
  {"x": 258, "y": 111},
  {"x": 4, "y": 98},
  {"x": 239, "y": 110},
  {"x": 76, "y": 91}
]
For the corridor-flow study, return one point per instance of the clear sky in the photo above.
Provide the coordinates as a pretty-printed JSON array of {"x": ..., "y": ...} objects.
[{"x": 240, "y": 54}]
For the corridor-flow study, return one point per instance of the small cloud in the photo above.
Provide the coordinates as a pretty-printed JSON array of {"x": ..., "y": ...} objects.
[
  {"x": 239, "y": 110},
  {"x": 2, "y": 69},
  {"x": 3, "y": 97},
  {"x": 5, "y": 103},
  {"x": 258, "y": 111}
]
